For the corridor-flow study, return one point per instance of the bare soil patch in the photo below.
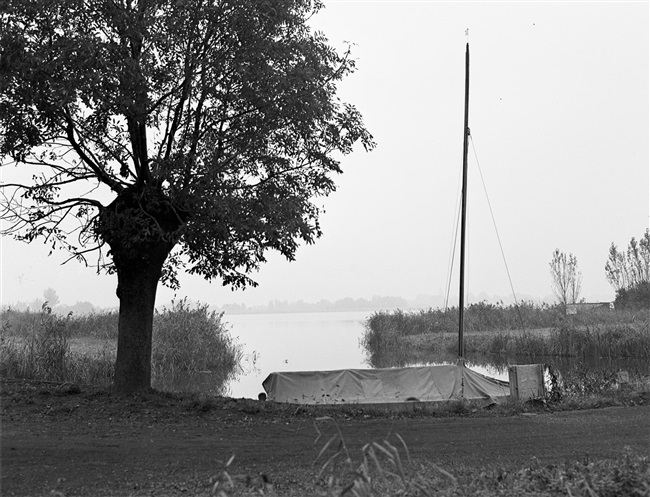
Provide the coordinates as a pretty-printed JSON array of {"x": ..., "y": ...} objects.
[{"x": 93, "y": 442}]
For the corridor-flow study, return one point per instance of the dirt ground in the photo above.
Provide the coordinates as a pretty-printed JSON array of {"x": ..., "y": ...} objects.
[{"x": 60, "y": 440}]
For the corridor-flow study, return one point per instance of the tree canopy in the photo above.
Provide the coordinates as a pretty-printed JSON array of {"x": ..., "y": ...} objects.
[
  {"x": 226, "y": 110},
  {"x": 166, "y": 134}
]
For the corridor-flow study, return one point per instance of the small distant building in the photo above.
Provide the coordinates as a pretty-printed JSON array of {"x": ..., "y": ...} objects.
[{"x": 572, "y": 309}]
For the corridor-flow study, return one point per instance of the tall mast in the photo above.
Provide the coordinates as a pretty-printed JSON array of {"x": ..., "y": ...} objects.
[{"x": 461, "y": 304}]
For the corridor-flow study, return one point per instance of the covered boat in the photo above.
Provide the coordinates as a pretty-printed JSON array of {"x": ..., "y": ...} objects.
[{"x": 384, "y": 386}]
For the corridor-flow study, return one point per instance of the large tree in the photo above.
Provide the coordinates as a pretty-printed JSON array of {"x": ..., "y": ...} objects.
[{"x": 160, "y": 134}]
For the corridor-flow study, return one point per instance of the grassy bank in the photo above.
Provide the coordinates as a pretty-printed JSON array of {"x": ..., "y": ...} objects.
[{"x": 81, "y": 349}]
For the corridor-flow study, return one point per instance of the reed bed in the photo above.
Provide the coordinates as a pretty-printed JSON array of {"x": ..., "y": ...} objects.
[
  {"x": 607, "y": 340},
  {"x": 585, "y": 350},
  {"x": 479, "y": 317},
  {"x": 393, "y": 339},
  {"x": 102, "y": 325},
  {"x": 188, "y": 341},
  {"x": 82, "y": 349},
  {"x": 39, "y": 346}
]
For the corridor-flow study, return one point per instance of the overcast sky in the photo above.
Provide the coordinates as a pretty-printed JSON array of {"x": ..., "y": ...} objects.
[{"x": 559, "y": 120}]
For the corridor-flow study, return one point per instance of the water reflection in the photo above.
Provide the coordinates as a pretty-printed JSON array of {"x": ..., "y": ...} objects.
[{"x": 496, "y": 366}]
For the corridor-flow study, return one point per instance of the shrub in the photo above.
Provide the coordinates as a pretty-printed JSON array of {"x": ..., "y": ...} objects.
[{"x": 636, "y": 297}]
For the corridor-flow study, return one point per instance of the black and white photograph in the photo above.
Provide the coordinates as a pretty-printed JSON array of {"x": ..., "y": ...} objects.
[{"x": 324, "y": 248}]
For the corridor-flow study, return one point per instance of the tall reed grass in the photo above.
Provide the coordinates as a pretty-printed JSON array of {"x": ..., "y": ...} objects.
[
  {"x": 81, "y": 349},
  {"x": 608, "y": 340},
  {"x": 188, "y": 341},
  {"x": 38, "y": 346},
  {"x": 400, "y": 338},
  {"x": 101, "y": 325},
  {"x": 592, "y": 334},
  {"x": 479, "y": 317}
]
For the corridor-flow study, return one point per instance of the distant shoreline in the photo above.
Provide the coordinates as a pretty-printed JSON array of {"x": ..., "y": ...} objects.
[{"x": 347, "y": 304}]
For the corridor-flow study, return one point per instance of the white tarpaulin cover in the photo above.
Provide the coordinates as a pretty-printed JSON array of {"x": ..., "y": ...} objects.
[{"x": 379, "y": 386}]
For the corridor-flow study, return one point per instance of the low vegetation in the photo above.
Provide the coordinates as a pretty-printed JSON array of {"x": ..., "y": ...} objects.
[
  {"x": 40, "y": 346},
  {"x": 81, "y": 349},
  {"x": 385, "y": 468},
  {"x": 394, "y": 339},
  {"x": 481, "y": 316}
]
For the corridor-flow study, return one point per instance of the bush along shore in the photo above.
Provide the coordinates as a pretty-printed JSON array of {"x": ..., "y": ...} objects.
[{"x": 81, "y": 349}]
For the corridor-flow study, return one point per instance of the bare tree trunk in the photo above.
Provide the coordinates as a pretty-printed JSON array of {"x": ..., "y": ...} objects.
[{"x": 137, "y": 285}]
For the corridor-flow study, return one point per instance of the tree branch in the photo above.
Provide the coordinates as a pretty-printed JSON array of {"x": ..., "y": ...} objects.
[{"x": 101, "y": 174}]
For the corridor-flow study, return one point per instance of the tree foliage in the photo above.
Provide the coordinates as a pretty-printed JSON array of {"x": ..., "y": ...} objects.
[
  {"x": 192, "y": 134},
  {"x": 567, "y": 279},
  {"x": 629, "y": 272},
  {"x": 219, "y": 118}
]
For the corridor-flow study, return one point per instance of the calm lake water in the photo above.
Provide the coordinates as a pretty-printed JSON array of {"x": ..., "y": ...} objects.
[{"x": 294, "y": 342}]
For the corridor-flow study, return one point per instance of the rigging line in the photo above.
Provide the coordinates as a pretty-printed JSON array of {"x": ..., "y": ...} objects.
[
  {"x": 494, "y": 223},
  {"x": 454, "y": 241},
  {"x": 452, "y": 257},
  {"x": 468, "y": 246},
  {"x": 467, "y": 252}
]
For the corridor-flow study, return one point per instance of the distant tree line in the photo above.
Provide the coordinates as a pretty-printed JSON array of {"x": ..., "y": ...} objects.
[
  {"x": 51, "y": 300},
  {"x": 340, "y": 305}
]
